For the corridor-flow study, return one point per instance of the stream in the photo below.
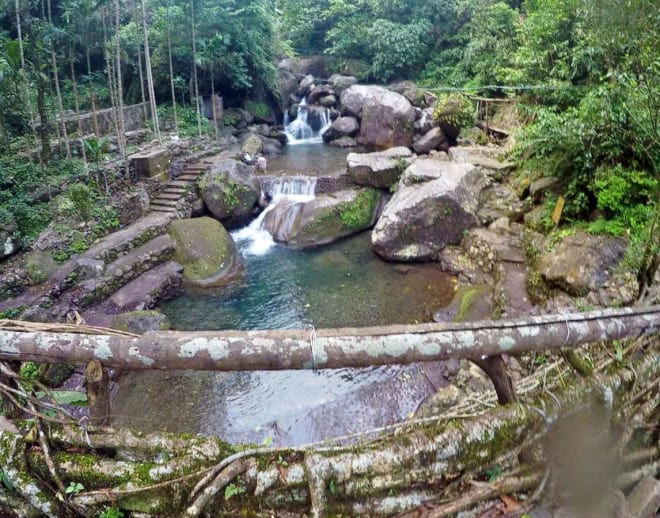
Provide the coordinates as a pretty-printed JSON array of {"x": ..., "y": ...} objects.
[{"x": 340, "y": 285}]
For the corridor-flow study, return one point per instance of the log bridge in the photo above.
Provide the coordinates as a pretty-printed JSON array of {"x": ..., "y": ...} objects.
[
  {"x": 406, "y": 467},
  {"x": 484, "y": 342}
]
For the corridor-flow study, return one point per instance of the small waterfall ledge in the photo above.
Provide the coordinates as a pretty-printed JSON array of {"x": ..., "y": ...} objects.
[
  {"x": 308, "y": 125},
  {"x": 286, "y": 194}
]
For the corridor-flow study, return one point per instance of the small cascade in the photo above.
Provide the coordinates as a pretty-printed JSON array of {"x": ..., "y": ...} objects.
[
  {"x": 285, "y": 194},
  {"x": 309, "y": 124}
]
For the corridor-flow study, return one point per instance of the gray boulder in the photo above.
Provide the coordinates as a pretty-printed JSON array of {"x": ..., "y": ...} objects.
[
  {"x": 582, "y": 262},
  {"x": 386, "y": 118},
  {"x": 424, "y": 121},
  {"x": 340, "y": 82},
  {"x": 429, "y": 141},
  {"x": 326, "y": 218},
  {"x": 379, "y": 169},
  {"x": 342, "y": 127},
  {"x": 318, "y": 92},
  {"x": 428, "y": 169},
  {"x": 9, "y": 243},
  {"x": 230, "y": 191},
  {"x": 422, "y": 218}
]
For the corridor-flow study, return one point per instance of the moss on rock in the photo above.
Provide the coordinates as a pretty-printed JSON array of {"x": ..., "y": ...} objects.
[{"x": 204, "y": 249}]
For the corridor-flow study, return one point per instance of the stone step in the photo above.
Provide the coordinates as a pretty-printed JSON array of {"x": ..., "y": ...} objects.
[
  {"x": 147, "y": 289},
  {"x": 163, "y": 203},
  {"x": 129, "y": 238},
  {"x": 126, "y": 268},
  {"x": 188, "y": 177},
  {"x": 178, "y": 184},
  {"x": 168, "y": 196},
  {"x": 163, "y": 209}
]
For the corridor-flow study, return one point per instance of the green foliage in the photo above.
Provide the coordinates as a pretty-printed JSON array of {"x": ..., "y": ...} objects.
[
  {"x": 74, "y": 488},
  {"x": 232, "y": 490},
  {"x": 29, "y": 371},
  {"x": 454, "y": 112},
  {"x": 258, "y": 109},
  {"x": 83, "y": 200},
  {"x": 110, "y": 512}
]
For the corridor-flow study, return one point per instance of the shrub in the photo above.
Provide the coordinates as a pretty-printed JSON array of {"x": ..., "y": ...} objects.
[{"x": 454, "y": 112}]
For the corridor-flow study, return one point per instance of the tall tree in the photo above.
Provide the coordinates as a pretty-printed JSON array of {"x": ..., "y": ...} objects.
[{"x": 150, "y": 78}]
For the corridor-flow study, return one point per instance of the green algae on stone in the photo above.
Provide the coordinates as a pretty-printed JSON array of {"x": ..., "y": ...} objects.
[{"x": 204, "y": 249}]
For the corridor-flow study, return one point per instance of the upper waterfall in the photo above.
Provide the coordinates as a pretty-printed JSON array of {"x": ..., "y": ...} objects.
[{"x": 309, "y": 124}]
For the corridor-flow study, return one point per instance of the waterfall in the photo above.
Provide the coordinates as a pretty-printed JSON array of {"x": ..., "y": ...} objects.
[
  {"x": 284, "y": 194},
  {"x": 309, "y": 124}
]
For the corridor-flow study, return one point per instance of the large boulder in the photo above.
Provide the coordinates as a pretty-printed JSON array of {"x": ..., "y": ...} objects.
[
  {"x": 9, "y": 242},
  {"x": 231, "y": 191},
  {"x": 379, "y": 169},
  {"x": 340, "y": 82},
  {"x": 386, "y": 117},
  {"x": 582, "y": 262},
  {"x": 324, "y": 219},
  {"x": 431, "y": 140},
  {"x": 342, "y": 127},
  {"x": 422, "y": 218},
  {"x": 204, "y": 249}
]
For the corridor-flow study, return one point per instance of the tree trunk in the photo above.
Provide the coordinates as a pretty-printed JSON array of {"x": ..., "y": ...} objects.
[
  {"x": 322, "y": 349},
  {"x": 21, "y": 50},
  {"x": 110, "y": 74},
  {"x": 150, "y": 79},
  {"x": 169, "y": 59},
  {"x": 120, "y": 89},
  {"x": 76, "y": 102},
  {"x": 419, "y": 464},
  {"x": 92, "y": 95},
  {"x": 194, "y": 69},
  {"x": 56, "y": 79}
]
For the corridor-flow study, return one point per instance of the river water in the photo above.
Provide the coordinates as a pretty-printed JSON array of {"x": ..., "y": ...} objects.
[{"x": 341, "y": 285}]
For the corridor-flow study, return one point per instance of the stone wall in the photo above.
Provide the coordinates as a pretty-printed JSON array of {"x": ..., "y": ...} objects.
[{"x": 133, "y": 119}]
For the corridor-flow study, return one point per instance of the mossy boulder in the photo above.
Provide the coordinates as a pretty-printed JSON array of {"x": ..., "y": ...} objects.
[
  {"x": 204, "y": 249},
  {"x": 470, "y": 303},
  {"x": 39, "y": 266},
  {"x": 325, "y": 219},
  {"x": 453, "y": 113},
  {"x": 139, "y": 322},
  {"x": 231, "y": 191}
]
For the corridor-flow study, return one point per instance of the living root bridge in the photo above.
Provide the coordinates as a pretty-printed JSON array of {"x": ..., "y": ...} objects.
[{"x": 326, "y": 348}]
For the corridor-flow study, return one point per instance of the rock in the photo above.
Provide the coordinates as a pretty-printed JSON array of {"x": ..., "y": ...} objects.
[
  {"x": 386, "y": 118},
  {"x": 139, "y": 322},
  {"x": 430, "y": 140},
  {"x": 39, "y": 266},
  {"x": 328, "y": 101},
  {"x": 469, "y": 304},
  {"x": 154, "y": 163},
  {"x": 500, "y": 201},
  {"x": 425, "y": 122},
  {"x": 340, "y": 83},
  {"x": 314, "y": 65},
  {"x": 421, "y": 219},
  {"x": 379, "y": 169},
  {"x": 271, "y": 146},
  {"x": 306, "y": 85},
  {"x": 55, "y": 374},
  {"x": 133, "y": 206},
  {"x": 582, "y": 262},
  {"x": 539, "y": 188},
  {"x": 287, "y": 85},
  {"x": 428, "y": 169},
  {"x": 411, "y": 92},
  {"x": 342, "y": 127},
  {"x": 481, "y": 156},
  {"x": 88, "y": 268},
  {"x": 8, "y": 242},
  {"x": 231, "y": 191},
  {"x": 252, "y": 145},
  {"x": 538, "y": 219},
  {"x": 319, "y": 91},
  {"x": 344, "y": 142},
  {"x": 644, "y": 499},
  {"x": 204, "y": 249},
  {"x": 324, "y": 219}
]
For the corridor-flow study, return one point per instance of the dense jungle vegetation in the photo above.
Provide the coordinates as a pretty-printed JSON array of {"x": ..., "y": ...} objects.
[{"x": 587, "y": 74}]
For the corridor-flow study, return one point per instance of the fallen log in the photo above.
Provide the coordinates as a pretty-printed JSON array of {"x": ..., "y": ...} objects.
[
  {"x": 423, "y": 462},
  {"x": 324, "y": 348}
]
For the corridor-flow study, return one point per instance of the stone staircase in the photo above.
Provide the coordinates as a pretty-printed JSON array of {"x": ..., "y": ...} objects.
[
  {"x": 175, "y": 191},
  {"x": 129, "y": 270}
]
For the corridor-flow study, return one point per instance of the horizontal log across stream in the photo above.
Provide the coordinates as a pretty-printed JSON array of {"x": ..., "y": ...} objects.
[{"x": 323, "y": 348}]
